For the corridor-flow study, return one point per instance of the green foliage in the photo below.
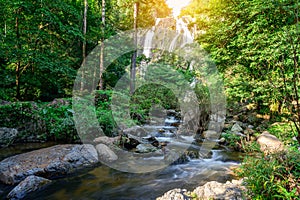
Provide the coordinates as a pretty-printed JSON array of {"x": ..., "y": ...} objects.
[
  {"x": 104, "y": 113},
  {"x": 146, "y": 96},
  {"x": 284, "y": 132},
  {"x": 23, "y": 116},
  {"x": 256, "y": 46},
  {"x": 41, "y": 122},
  {"x": 232, "y": 140},
  {"x": 59, "y": 123},
  {"x": 275, "y": 176}
]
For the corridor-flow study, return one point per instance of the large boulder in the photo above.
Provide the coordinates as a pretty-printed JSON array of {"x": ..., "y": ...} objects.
[
  {"x": 106, "y": 140},
  {"x": 49, "y": 162},
  {"x": 269, "y": 143},
  {"x": 138, "y": 131},
  {"x": 175, "y": 194},
  {"x": 211, "y": 190},
  {"x": 216, "y": 190},
  {"x": 105, "y": 153},
  {"x": 30, "y": 184},
  {"x": 7, "y": 136}
]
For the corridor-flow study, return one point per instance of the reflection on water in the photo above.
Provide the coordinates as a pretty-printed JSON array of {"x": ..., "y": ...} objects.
[{"x": 106, "y": 183}]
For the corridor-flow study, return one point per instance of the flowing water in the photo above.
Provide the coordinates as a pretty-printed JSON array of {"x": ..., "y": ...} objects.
[
  {"x": 103, "y": 182},
  {"x": 106, "y": 183}
]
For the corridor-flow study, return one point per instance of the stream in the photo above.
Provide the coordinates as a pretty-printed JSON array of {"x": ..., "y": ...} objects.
[{"x": 103, "y": 182}]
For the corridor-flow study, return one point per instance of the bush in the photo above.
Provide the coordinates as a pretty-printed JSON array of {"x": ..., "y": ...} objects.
[
  {"x": 23, "y": 116},
  {"x": 276, "y": 176},
  {"x": 59, "y": 122}
]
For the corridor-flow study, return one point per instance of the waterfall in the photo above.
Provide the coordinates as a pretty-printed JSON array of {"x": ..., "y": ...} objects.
[
  {"x": 148, "y": 42},
  {"x": 187, "y": 36},
  {"x": 182, "y": 30},
  {"x": 181, "y": 37},
  {"x": 173, "y": 43}
]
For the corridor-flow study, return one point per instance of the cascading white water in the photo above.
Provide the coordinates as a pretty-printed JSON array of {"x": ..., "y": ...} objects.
[
  {"x": 182, "y": 30},
  {"x": 148, "y": 42},
  {"x": 173, "y": 43},
  {"x": 187, "y": 36}
]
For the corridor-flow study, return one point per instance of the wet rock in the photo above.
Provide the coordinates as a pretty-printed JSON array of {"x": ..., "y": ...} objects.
[
  {"x": 145, "y": 148},
  {"x": 7, "y": 136},
  {"x": 216, "y": 190},
  {"x": 250, "y": 126},
  {"x": 106, "y": 140},
  {"x": 212, "y": 190},
  {"x": 105, "y": 153},
  {"x": 161, "y": 130},
  {"x": 49, "y": 162},
  {"x": 173, "y": 113},
  {"x": 166, "y": 134},
  {"x": 130, "y": 141},
  {"x": 175, "y": 194},
  {"x": 210, "y": 134},
  {"x": 192, "y": 154},
  {"x": 136, "y": 131},
  {"x": 269, "y": 143},
  {"x": 222, "y": 140},
  {"x": 216, "y": 126},
  {"x": 30, "y": 184},
  {"x": 174, "y": 157}
]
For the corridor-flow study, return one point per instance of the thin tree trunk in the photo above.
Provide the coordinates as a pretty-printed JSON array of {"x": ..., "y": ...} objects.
[
  {"x": 18, "y": 67},
  {"x": 133, "y": 58},
  {"x": 101, "y": 67},
  {"x": 84, "y": 42}
]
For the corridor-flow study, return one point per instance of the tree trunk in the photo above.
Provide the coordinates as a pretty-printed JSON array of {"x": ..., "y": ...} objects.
[
  {"x": 133, "y": 58},
  {"x": 18, "y": 67},
  {"x": 84, "y": 42},
  {"x": 101, "y": 67}
]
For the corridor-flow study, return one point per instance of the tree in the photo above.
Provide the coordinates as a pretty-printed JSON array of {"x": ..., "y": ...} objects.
[
  {"x": 255, "y": 44},
  {"x": 102, "y": 48},
  {"x": 84, "y": 35},
  {"x": 134, "y": 55}
]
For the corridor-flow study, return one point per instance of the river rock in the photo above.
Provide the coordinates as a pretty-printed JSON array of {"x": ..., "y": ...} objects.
[
  {"x": 48, "y": 162},
  {"x": 106, "y": 140},
  {"x": 222, "y": 140},
  {"x": 175, "y": 158},
  {"x": 210, "y": 134},
  {"x": 212, "y": 190},
  {"x": 7, "y": 136},
  {"x": 236, "y": 128},
  {"x": 30, "y": 184},
  {"x": 105, "y": 153},
  {"x": 215, "y": 190},
  {"x": 269, "y": 143},
  {"x": 175, "y": 194},
  {"x": 131, "y": 141},
  {"x": 145, "y": 148},
  {"x": 136, "y": 131}
]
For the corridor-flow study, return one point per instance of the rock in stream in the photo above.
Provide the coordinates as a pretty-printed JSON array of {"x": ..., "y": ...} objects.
[{"x": 49, "y": 162}]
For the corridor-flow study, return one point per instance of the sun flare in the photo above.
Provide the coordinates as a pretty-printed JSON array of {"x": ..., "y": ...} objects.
[{"x": 177, "y": 5}]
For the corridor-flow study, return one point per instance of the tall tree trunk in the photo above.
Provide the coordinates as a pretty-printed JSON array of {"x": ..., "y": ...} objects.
[
  {"x": 133, "y": 58},
  {"x": 101, "y": 67},
  {"x": 84, "y": 42},
  {"x": 18, "y": 67}
]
